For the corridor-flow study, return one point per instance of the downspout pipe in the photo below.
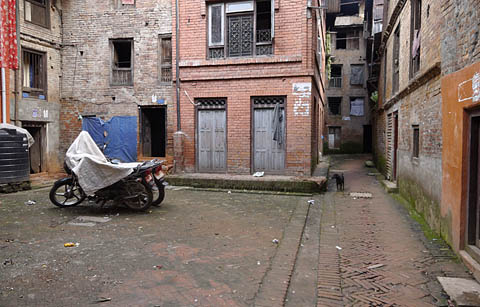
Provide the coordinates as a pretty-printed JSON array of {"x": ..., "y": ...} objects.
[
  {"x": 177, "y": 59},
  {"x": 4, "y": 97}
]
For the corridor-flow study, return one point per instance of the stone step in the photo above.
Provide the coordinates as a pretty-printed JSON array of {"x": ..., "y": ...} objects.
[{"x": 389, "y": 186}]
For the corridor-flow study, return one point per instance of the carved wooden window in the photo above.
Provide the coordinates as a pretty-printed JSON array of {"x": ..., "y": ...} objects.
[
  {"x": 122, "y": 61},
  {"x": 34, "y": 74},
  {"x": 242, "y": 28},
  {"x": 37, "y": 12},
  {"x": 165, "y": 56}
]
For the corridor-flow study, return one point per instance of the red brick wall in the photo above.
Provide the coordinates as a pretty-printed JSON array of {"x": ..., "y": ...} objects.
[
  {"x": 238, "y": 79},
  {"x": 238, "y": 94}
]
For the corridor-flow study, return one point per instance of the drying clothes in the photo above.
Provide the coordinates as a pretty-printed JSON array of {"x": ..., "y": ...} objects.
[
  {"x": 277, "y": 124},
  {"x": 416, "y": 44},
  {"x": 356, "y": 107}
]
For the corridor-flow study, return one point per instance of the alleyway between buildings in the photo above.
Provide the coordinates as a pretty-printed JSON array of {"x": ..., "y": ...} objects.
[{"x": 213, "y": 248}]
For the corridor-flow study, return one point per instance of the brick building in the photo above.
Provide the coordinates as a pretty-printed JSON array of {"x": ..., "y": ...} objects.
[
  {"x": 408, "y": 120},
  {"x": 117, "y": 64},
  {"x": 460, "y": 86},
  {"x": 427, "y": 120},
  {"x": 252, "y": 83},
  {"x": 35, "y": 86},
  {"x": 348, "y": 127}
]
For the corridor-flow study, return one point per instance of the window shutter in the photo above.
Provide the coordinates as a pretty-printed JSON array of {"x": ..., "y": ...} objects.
[
  {"x": 272, "y": 5},
  {"x": 215, "y": 31}
]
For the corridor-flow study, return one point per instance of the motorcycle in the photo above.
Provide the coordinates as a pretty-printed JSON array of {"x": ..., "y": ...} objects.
[
  {"x": 92, "y": 175},
  {"x": 134, "y": 191}
]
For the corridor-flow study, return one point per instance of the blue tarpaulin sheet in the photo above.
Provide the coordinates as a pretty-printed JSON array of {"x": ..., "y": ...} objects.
[{"x": 120, "y": 136}]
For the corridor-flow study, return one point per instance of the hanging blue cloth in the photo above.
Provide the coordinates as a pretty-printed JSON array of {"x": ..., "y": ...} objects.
[{"x": 119, "y": 134}]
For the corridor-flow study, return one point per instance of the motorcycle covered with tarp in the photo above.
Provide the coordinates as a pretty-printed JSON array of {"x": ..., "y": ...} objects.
[{"x": 92, "y": 175}]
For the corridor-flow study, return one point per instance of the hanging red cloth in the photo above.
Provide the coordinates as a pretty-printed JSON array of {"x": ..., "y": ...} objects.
[{"x": 8, "y": 35}]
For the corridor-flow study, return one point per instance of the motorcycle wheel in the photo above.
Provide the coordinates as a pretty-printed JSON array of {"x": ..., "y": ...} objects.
[
  {"x": 139, "y": 197},
  {"x": 65, "y": 193},
  {"x": 158, "y": 195}
]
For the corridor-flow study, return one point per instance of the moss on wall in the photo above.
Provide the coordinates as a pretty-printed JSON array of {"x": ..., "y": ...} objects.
[
  {"x": 345, "y": 148},
  {"x": 381, "y": 163},
  {"x": 428, "y": 209}
]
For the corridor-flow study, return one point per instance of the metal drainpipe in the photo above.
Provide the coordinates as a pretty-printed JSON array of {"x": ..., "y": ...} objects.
[{"x": 177, "y": 58}]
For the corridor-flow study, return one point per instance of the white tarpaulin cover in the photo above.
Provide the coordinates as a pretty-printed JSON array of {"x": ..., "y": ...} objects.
[
  {"x": 93, "y": 170},
  {"x": 21, "y": 130}
]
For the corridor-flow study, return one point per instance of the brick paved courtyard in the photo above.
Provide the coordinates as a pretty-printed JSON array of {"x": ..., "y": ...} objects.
[{"x": 205, "y": 248}]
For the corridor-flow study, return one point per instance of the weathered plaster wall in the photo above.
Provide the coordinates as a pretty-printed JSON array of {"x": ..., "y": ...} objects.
[
  {"x": 418, "y": 102},
  {"x": 455, "y": 135},
  {"x": 47, "y": 40},
  {"x": 86, "y": 89},
  {"x": 351, "y": 126}
]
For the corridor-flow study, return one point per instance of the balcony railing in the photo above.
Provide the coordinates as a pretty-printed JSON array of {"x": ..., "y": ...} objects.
[
  {"x": 122, "y": 76},
  {"x": 335, "y": 82}
]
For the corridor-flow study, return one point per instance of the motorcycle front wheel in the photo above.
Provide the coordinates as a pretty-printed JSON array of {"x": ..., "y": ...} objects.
[
  {"x": 139, "y": 197},
  {"x": 65, "y": 193}
]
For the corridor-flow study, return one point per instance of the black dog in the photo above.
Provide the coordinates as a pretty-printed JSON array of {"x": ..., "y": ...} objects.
[{"x": 340, "y": 181}]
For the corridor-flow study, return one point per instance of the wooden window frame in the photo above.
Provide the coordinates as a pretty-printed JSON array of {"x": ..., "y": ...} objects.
[
  {"x": 46, "y": 6},
  {"x": 161, "y": 64},
  {"x": 44, "y": 90},
  {"x": 336, "y": 82},
  {"x": 347, "y": 38},
  {"x": 339, "y": 107},
  {"x": 396, "y": 61},
  {"x": 415, "y": 24},
  {"x": 223, "y": 45},
  {"x": 416, "y": 141},
  {"x": 118, "y": 5},
  {"x": 112, "y": 57}
]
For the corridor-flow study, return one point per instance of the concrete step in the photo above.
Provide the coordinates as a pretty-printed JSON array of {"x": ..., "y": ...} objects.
[
  {"x": 390, "y": 187},
  {"x": 248, "y": 182},
  {"x": 463, "y": 292}
]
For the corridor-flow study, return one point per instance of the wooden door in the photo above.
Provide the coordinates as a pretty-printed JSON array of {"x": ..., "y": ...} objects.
[
  {"x": 473, "y": 211},
  {"x": 211, "y": 141},
  {"x": 395, "y": 145},
  {"x": 269, "y": 154}
]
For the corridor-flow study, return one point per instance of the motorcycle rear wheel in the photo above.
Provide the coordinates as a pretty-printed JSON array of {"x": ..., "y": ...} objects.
[
  {"x": 158, "y": 195},
  {"x": 65, "y": 193},
  {"x": 139, "y": 197}
]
